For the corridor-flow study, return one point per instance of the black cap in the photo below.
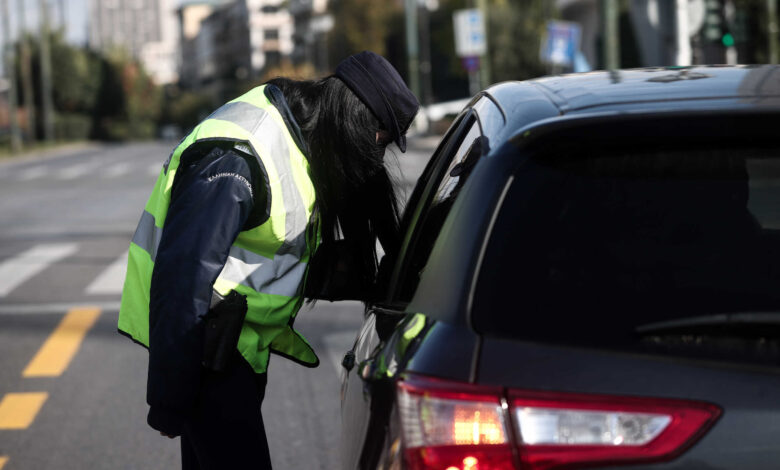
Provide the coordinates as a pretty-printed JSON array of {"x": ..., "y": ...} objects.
[{"x": 380, "y": 87}]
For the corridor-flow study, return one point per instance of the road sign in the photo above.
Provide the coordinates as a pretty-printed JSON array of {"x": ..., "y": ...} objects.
[
  {"x": 469, "y": 33},
  {"x": 562, "y": 43},
  {"x": 470, "y": 63}
]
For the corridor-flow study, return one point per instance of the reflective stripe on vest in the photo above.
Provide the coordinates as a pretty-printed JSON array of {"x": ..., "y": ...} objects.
[{"x": 267, "y": 263}]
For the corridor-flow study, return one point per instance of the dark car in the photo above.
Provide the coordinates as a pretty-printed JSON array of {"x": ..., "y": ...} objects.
[{"x": 589, "y": 277}]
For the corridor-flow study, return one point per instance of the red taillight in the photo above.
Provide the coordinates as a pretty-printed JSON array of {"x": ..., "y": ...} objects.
[
  {"x": 564, "y": 430},
  {"x": 450, "y": 426},
  {"x": 455, "y": 426}
]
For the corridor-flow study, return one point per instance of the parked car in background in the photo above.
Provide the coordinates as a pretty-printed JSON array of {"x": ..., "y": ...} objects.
[{"x": 589, "y": 277}]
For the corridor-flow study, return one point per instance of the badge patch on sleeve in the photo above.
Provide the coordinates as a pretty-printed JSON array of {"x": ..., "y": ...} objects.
[{"x": 236, "y": 176}]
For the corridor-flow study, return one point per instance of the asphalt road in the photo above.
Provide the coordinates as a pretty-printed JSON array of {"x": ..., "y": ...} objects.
[{"x": 72, "y": 391}]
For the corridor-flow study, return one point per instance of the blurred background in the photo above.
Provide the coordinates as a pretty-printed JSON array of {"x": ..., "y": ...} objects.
[
  {"x": 139, "y": 69},
  {"x": 93, "y": 97},
  {"x": 76, "y": 70}
]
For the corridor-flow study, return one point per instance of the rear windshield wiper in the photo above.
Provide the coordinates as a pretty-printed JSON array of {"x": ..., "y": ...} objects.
[{"x": 736, "y": 321}]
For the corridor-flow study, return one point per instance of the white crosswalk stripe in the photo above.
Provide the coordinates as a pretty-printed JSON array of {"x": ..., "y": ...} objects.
[
  {"x": 154, "y": 169},
  {"x": 110, "y": 281},
  {"x": 33, "y": 173},
  {"x": 15, "y": 271},
  {"x": 75, "y": 171},
  {"x": 117, "y": 170}
]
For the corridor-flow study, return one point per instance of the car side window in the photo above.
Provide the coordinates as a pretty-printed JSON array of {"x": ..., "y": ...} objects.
[{"x": 452, "y": 172}]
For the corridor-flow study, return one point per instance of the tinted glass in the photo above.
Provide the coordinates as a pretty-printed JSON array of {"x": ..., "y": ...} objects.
[
  {"x": 645, "y": 250},
  {"x": 454, "y": 173}
]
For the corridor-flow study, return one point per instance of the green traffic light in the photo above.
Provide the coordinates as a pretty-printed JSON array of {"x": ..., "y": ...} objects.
[{"x": 728, "y": 40}]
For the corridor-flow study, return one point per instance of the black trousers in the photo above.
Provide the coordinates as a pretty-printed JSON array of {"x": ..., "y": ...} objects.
[{"x": 226, "y": 431}]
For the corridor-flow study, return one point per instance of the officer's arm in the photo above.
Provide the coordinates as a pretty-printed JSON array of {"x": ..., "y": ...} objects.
[{"x": 211, "y": 201}]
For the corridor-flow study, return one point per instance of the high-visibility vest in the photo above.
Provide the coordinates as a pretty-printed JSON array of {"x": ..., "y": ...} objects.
[{"x": 268, "y": 263}]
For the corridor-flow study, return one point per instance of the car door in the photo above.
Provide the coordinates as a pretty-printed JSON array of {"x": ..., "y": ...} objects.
[{"x": 367, "y": 394}]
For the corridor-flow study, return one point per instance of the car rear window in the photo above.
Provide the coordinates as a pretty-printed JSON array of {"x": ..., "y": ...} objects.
[{"x": 671, "y": 251}]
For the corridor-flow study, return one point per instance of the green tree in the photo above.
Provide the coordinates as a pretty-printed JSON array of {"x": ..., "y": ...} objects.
[
  {"x": 515, "y": 31},
  {"x": 360, "y": 25},
  {"x": 129, "y": 103}
]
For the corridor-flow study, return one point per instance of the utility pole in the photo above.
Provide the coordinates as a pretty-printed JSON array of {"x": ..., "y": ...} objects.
[
  {"x": 10, "y": 71},
  {"x": 45, "y": 64},
  {"x": 484, "y": 61},
  {"x": 774, "y": 29},
  {"x": 63, "y": 19},
  {"x": 25, "y": 63},
  {"x": 683, "y": 40},
  {"x": 611, "y": 45},
  {"x": 426, "y": 87},
  {"x": 413, "y": 45}
]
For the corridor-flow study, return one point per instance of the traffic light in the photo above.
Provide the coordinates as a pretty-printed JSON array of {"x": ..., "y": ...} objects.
[
  {"x": 727, "y": 40},
  {"x": 714, "y": 29}
]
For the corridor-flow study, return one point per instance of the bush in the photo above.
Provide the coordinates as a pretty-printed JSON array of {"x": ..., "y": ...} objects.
[{"x": 72, "y": 126}]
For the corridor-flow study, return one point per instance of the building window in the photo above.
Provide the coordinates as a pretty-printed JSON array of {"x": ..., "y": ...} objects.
[
  {"x": 273, "y": 59},
  {"x": 270, "y": 9},
  {"x": 271, "y": 34}
]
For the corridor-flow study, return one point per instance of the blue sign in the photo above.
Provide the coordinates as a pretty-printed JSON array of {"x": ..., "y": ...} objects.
[
  {"x": 470, "y": 63},
  {"x": 562, "y": 43}
]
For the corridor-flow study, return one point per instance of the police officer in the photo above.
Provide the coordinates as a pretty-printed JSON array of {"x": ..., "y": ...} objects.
[{"x": 227, "y": 237}]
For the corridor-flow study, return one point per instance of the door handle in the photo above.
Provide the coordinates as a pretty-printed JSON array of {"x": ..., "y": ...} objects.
[{"x": 348, "y": 362}]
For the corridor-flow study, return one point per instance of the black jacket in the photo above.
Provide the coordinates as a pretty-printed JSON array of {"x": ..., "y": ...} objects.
[
  {"x": 210, "y": 204},
  {"x": 218, "y": 192}
]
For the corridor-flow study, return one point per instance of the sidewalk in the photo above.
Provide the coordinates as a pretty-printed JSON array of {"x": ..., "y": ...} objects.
[{"x": 48, "y": 152}]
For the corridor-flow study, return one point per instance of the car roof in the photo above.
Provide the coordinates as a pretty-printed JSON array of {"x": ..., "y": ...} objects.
[{"x": 696, "y": 88}]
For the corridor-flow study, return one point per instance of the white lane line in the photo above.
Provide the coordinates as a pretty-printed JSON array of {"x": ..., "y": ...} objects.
[
  {"x": 15, "y": 271},
  {"x": 111, "y": 280},
  {"x": 117, "y": 170},
  {"x": 63, "y": 308},
  {"x": 336, "y": 344},
  {"x": 154, "y": 169},
  {"x": 75, "y": 171},
  {"x": 33, "y": 173}
]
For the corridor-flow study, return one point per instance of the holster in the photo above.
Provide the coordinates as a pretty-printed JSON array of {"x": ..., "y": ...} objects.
[{"x": 223, "y": 327}]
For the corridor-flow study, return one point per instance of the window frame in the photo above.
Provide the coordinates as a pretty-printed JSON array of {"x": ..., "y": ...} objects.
[{"x": 420, "y": 201}]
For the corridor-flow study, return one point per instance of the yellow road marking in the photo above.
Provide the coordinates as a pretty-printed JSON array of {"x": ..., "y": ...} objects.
[
  {"x": 18, "y": 410},
  {"x": 3, "y": 460},
  {"x": 57, "y": 352}
]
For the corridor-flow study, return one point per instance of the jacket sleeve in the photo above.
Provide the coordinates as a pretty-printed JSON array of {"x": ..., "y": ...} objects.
[{"x": 211, "y": 201}]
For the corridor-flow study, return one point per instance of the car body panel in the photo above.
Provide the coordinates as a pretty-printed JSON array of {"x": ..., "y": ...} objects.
[
  {"x": 748, "y": 395},
  {"x": 631, "y": 107}
]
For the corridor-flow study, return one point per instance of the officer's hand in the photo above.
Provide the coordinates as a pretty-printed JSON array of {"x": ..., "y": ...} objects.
[{"x": 167, "y": 435}]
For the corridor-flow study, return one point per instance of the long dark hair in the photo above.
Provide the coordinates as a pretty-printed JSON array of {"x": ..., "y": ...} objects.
[{"x": 356, "y": 196}]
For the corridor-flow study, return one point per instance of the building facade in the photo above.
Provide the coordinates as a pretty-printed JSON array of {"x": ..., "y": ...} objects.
[
  {"x": 229, "y": 41},
  {"x": 145, "y": 29},
  {"x": 312, "y": 24}
]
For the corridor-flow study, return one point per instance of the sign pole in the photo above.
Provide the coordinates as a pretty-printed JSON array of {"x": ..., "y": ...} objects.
[
  {"x": 485, "y": 62},
  {"x": 10, "y": 72},
  {"x": 609, "y": 12},
  {"x": 774, "y": 29},
  {"x": 412, "y": 46},
  {"x": 470, "y": 45}
]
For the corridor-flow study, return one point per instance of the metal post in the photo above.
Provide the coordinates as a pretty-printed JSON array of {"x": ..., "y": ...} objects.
[
  {"x": 484, "y": 61},
  {"x": 683, "y": 41},
  {"x": 45, "y": 64},
  {"x": 611, "y": 46},
  {"x": 774, "y": 47},
  {"x": 10, "y": 72},
  {"x": 63, "y": 19},
  {"x": 25, "y": 62},
  {"x": 412, "y": 46},
  {"x": 426, "y": 87}
]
